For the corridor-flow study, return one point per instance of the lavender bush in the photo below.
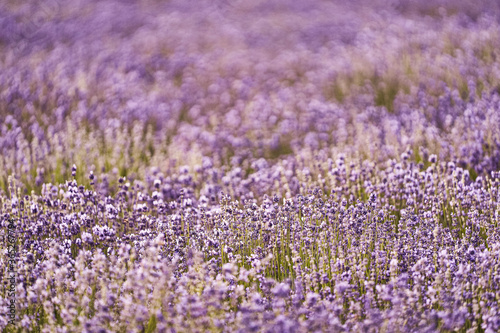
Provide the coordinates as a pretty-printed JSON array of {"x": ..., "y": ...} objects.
[{"x": 266, "y": 166}]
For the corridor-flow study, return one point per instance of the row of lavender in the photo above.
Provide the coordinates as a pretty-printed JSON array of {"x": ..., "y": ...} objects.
[
  {"x": 275, "y": 167},
  {"x": 420, "y": 253}
]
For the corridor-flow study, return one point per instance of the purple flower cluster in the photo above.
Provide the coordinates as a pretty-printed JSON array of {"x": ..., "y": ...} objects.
[{"x": 251, "y": 167}]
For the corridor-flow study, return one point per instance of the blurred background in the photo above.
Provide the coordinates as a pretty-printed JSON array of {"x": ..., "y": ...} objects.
[{"x": 126, "y": 85}]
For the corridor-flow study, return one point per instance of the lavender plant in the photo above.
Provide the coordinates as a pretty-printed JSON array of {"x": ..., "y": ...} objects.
[{"x": 250, "y": 167}]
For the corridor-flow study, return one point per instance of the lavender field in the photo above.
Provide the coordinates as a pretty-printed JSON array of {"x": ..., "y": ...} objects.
[{"x": 250, "y": 166}]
